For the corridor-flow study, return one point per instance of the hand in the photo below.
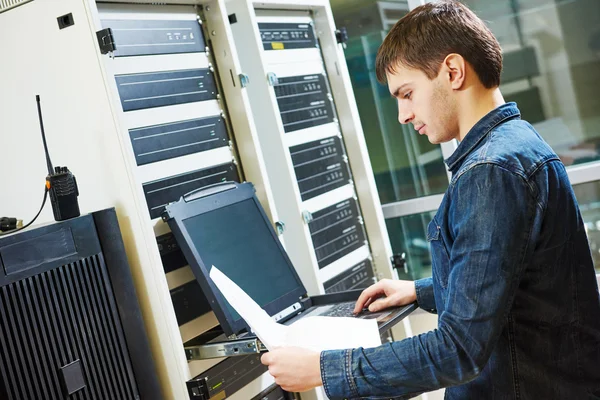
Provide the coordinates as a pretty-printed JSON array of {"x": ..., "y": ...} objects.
[
  {"x": 396, "y": 293},
  {"x": 294, "y": 369}
]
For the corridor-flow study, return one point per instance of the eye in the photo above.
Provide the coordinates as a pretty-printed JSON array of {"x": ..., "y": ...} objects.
[{"x": 407, "y": 95}]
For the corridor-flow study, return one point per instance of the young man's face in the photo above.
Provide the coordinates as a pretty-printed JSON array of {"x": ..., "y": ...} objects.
[{"x": 427, "y": 104}]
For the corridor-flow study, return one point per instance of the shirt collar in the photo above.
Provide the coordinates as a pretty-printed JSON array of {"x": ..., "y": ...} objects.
[{"x": 480, "y": 130}]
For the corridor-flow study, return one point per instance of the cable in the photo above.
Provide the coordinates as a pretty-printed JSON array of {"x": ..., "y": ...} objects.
[{"x": 34, "y": 218}]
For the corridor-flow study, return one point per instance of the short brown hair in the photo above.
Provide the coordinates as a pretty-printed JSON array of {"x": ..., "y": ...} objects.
[{"x": 426, "y": 35}]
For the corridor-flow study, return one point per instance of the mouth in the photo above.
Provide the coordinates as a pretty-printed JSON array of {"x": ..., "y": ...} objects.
[{"x": 420, "y": 129}]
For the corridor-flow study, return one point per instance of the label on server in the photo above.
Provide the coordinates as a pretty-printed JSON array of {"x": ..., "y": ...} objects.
[
  {"x": 226, "y": 378},
  {"x": 170, "y": 253},
  {"x": 303, "y": 102},
  {"x": 158, "y": 89},
  {"x": 164, "y": 191},
  {"x": 175, "y": 139},
  {"x": 359, "y": 276},
  {"x": 148, "y": 37},
  {"x": 283, "y": 36},
  {"x": 336, "y": 231},
  {"x": 189, "y": 302},
  {"x": 320, "y": 166}
]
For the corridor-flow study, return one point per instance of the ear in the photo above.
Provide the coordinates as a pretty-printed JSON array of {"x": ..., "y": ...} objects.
[{"x": 455, "y": 69}]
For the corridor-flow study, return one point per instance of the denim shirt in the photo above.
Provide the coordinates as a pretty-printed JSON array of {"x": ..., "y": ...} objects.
[{"x": 513, "y": 284}]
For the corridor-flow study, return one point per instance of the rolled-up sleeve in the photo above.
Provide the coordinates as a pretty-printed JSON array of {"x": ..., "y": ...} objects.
[
  {"x": 425, "y": 295},
  {"x": 336, "y": 369}
]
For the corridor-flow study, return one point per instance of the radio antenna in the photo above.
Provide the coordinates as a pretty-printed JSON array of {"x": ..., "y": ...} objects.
[{"x": 48, "y": 162}]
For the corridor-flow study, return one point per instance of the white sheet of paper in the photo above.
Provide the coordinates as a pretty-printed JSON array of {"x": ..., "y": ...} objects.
[
  {"x": 268, "y": 331},
  {"x": 313, "y": 333}
]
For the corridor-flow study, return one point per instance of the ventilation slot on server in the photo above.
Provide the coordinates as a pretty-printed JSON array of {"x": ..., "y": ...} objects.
[
  {"x": 149, "y": 37},
  {"x": 62, "y": 326},
  {"x": 336, "y": 231},
  {"x": 176, "y": 139},
  {"x": 359, "y": 276},
  {"x": 320, "y": 166},
  {"x": 278, "y": 36},
  {"x": 226, "y": 378},
  {"x": 6, "y": 5},
  {"x": 304, "y": 101},
  {"x": 158, "y": 89},
  {"x": 164, "y": 191}
]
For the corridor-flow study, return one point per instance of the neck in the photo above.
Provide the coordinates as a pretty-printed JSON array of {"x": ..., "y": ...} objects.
[{"x": 476, "y": 105}]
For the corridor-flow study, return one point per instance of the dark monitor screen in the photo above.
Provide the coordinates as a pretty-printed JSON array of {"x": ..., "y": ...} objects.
[{"x": 237, "y": 240}]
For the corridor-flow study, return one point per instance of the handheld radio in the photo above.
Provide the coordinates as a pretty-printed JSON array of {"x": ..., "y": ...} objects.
[{"x": 60, "y": 183}]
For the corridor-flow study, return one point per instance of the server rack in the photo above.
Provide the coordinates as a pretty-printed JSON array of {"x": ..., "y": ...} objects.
[
  {"x": 172, "y": 90},
  {"x": 309, "y": 129}
]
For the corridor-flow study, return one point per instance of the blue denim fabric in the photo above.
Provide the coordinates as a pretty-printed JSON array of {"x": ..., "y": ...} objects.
[{"x": 513, "y": 285}]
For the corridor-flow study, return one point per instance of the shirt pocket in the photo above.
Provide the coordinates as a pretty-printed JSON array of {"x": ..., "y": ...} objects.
[{"x": 440, "y": 261}]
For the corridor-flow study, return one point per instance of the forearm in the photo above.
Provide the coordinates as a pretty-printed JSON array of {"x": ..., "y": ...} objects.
[{"x": 401, "y": 369}]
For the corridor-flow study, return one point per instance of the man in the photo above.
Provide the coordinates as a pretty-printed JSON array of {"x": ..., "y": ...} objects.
[{"x": 513, "y": 281}]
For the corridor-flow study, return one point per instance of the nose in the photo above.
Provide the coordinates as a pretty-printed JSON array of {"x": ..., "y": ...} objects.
[{"x": 405, "y": 115}]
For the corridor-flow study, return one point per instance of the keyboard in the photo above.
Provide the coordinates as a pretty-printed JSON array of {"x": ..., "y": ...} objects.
[
  {"x": 339, "y": 310},
  {"x": 347, "y": 310}
]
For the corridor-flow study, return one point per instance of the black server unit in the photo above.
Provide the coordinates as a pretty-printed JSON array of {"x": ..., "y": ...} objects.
[
  {"x": 360, "y": 276},
  {"x": 274, "y": 392},
  {"x": 225, "y": 378},
  {"x": 70, "y": 322}
]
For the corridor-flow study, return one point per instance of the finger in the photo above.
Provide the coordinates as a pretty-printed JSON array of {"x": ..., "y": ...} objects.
[
  {"x": 380, "y": 304},
  {"x": 266, "y": 359},
  {"x": 367, "y": 294},
  {"x": 373, "y": 299}
]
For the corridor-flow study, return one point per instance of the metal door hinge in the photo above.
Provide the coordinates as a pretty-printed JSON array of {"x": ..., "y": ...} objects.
[
  {"x": 307, "y": 217},
  {"x": 106, "y": 41},
  {"x": 244, "y": 80},
  {"x": 272, "y": 78},
  {"x": 280, "y": 227},
  {"x": 341, "y": 36},
  {"x": 399, "y": 262}
]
